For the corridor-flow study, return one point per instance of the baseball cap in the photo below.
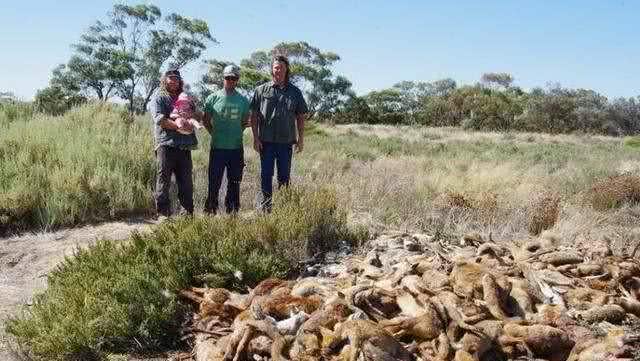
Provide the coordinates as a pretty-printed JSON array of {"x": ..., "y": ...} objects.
[
  {"x": 172, "y": 72},
  {"x": 231, "y": 70}
]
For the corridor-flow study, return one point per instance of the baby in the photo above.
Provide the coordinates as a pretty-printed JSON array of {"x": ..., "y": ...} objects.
[{"x": 183, "y": 114}]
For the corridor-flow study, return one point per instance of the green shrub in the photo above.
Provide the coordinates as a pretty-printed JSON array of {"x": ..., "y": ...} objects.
[
  {"x": 632, "y": 142},
  {"x": 55, "y": 100},
  {"x": 112, "y": 295},
  {"x": 12, "y": 111},
  {"x": 86, "y": 166}
]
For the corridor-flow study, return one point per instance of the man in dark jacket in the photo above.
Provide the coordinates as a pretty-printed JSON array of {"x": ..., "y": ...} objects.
[
  {"x": 173, "y": 149},
  {"x": 278, "y": 111}
]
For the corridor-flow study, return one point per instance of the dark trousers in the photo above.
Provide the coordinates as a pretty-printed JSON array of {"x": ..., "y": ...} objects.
[
  {"x": 231, "y": 160},
  {"x": 177, "y": 162},
  {"x": 278, "y": 155}
]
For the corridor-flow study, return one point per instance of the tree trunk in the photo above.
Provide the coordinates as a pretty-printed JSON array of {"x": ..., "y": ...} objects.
[
  {"x": 107, "y": 95},
  {"x": 147, "y": 99}
]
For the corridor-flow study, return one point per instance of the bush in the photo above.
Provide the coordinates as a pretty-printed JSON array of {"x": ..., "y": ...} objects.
[
  {"x": 452, "y": 199},
  {"x": 356, "y": 110},
  {"x": 86, "y": 166},
  {"x": 614, "y": 192},
  {"x": 543, "y": 212},
  {"x": 491, "y": 110},
  {"x": 56, "y": 101},
  {"x": 110, "y": 295},
  {"x": 11, "y": 111},
  {"x": 632, "y": 142}
]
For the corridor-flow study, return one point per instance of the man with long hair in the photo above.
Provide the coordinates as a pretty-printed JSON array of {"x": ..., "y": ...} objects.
[
  {"x": 278, "y": 110},
  {"x": 172, "y": 148}
]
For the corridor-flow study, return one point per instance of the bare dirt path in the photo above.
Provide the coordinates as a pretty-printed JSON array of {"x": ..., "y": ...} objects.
[{"x": 26, "y": 259}]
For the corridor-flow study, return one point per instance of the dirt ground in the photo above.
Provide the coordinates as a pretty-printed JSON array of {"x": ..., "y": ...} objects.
[{"x": 26, "y": 259}]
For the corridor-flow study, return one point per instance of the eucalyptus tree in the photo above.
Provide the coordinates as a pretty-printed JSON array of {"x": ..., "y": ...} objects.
[
  {"x": 310, "y": 69},
  {"x": 125, "y": 54}
]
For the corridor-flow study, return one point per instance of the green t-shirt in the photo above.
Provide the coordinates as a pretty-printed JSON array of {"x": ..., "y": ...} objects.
[{"x": 227, "y": 113}]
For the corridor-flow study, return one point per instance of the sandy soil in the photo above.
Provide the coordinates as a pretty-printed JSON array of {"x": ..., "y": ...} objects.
[{"x": 26, "y": 259}]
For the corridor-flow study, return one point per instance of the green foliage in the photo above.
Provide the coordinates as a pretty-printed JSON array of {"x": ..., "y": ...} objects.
[
  {"x": 355, "y": 110},
  {"x": 500, "y": 79},
  {"x": 56, "y": 100},
  {"x": 111, "y": 295},
  {"x": 487, "y": 109},
  {"x": 632, "y": 142},
  {"x": 387, "y": 106},
  {"x": 12, "y": 111},
  {"x": 85, "y": 166},
  {"x": 126, "y": 54},
  {"x": 413, "y": 96},
  {"x": 310, "y": 69},
  {"x": 250, "y": 77},
  {"x": 550, "y": 111},
  {"x": 623, "y": 116},
  {"x": 495, "y": 105}
]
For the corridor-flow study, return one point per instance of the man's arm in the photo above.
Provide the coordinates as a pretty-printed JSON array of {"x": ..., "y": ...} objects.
[
  {"x": 198, "y": 115},
  {"x": 301, "y": 112},
  {"x": 257, "y": 144},
  {"x": 167, "y": 123},
  {"x": 207, "y": 122},
  {"x": 160, "y": 115},
  {"x": 246, "y": 122},
  {"x": 300, "y": 125},
  {"x": 254, "y": 118}
]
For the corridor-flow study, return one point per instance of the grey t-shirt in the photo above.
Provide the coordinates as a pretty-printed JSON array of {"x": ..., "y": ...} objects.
[
  {"x": 162, "y": 106},
  {"x": 276, "y": 109}
]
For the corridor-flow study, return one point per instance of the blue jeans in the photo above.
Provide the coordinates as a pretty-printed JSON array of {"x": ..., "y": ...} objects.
[
  {"x": 278, "y": 155},
  {"x": 233, "y": 161}
]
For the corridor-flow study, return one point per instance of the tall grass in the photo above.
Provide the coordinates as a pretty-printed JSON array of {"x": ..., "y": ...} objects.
[
  {"x": 119, "y": 296},
  {"x": 90, "y": 165},
  {"x": 400, "y": 177},
  {"x": 13, "y": 111},
  {"x": 85, "y": 166}
]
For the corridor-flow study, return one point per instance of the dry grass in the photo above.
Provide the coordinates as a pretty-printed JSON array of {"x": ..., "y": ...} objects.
[
  {"x": 449, "y": 134},
  {"x": 543, "y": 212},
  {"x": 615, "y": 191},
  {"x": 413, "y": 178},
  {"x": 434, "y": 179},
  {"x": 451, "y": 200}
]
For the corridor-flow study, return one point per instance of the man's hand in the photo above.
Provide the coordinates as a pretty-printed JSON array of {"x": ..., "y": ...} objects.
[
  {"x": 257, "y": 145},
  {"x": 167, "y": 123},
  {"x": 300, "y": 126},
  {"x": 185, "y": 125}
]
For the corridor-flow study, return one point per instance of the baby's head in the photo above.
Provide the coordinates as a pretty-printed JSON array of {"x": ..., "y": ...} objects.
[{"x": 185, "y": 104}]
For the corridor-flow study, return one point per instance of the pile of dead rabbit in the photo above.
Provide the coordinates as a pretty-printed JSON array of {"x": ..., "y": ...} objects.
[{"x": 413, "y": 298}]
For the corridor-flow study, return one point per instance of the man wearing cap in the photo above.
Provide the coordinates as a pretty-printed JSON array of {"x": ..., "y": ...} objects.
[
  {"x": 173, "y": 149},
  {"x": 226, "y": 114},
  {"x": 277, "y": 121}
]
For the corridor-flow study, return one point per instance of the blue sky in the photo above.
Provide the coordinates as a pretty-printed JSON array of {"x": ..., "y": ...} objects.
[{"x": 588, "y": 44}]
